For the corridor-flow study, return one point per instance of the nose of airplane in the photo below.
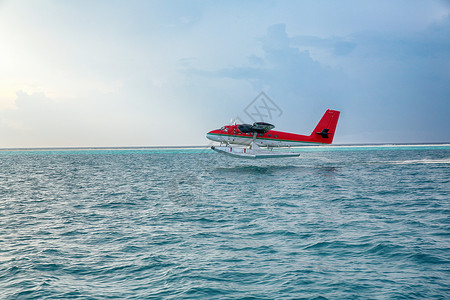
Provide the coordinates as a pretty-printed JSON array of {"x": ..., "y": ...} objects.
[{"x": 212, "y": 136}]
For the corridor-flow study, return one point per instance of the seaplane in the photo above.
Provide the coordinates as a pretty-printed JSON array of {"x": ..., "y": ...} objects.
[{"x": 261, "y": 135}]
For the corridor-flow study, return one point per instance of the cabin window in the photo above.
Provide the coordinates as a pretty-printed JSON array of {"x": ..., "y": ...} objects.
[
  {"x": 275, "y": 136},
  {"x": 260, "y": 134},
  {"x": 269, "y": 135}
]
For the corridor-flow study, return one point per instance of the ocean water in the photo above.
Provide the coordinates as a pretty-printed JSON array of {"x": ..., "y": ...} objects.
[{"x": 336, "y": 223}]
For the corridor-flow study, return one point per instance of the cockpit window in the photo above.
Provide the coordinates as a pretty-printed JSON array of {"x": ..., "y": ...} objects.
[{"x": 224, "y": 129}]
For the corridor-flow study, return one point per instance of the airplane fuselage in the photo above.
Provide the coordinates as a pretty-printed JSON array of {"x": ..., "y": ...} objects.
[
  {"x": 262, "y": 135},
  {"x": 272, "y": 138}
]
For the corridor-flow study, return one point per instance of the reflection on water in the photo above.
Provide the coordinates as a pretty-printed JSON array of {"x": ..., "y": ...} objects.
[{"x": 328, "y": 170}]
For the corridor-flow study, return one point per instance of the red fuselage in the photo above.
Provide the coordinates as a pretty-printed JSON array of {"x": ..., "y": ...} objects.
[{"x": 322, "y": 134}]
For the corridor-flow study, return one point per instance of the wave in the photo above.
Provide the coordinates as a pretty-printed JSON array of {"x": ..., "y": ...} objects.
[{"x": 421, "y": 161}]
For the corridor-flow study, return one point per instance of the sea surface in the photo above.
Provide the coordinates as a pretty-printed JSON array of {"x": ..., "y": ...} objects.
[{"x": 335, "y": 223}]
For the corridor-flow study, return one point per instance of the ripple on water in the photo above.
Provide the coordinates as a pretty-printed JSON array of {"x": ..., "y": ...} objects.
[{"x": 331, "y": 225}]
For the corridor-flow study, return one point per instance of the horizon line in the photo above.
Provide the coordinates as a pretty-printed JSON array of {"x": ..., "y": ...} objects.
[{"x": 205, "y": 146}]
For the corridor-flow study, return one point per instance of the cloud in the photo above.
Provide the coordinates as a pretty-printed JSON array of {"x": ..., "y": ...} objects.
[
  {"x": 281, "y": 67},
  {"x": 33, "y": 120},
  {"x": 336, "y": 45},
  {"x": 430, "y": 42},
  {"x": 41, "y": 121},
  {"x": 290, "y": 76},
  {"x": 402, "y": 79}
]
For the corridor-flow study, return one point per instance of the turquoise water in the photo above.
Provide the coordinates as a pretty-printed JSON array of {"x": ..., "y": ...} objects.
[{"x": 336, "y": 223}]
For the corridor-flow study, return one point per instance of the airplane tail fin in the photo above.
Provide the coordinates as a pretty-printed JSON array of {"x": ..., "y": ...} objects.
[{"x": 324, "y": 131}]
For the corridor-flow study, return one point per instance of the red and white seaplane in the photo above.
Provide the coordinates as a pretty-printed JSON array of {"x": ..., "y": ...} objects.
[{"x": 260, "y": 134}]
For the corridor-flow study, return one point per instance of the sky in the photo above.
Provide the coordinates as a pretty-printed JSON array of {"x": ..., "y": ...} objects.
[{"x": 80, "y": 73}]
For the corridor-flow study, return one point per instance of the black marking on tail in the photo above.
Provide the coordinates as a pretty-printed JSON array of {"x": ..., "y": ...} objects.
[{"x": 324, "y": 133}]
